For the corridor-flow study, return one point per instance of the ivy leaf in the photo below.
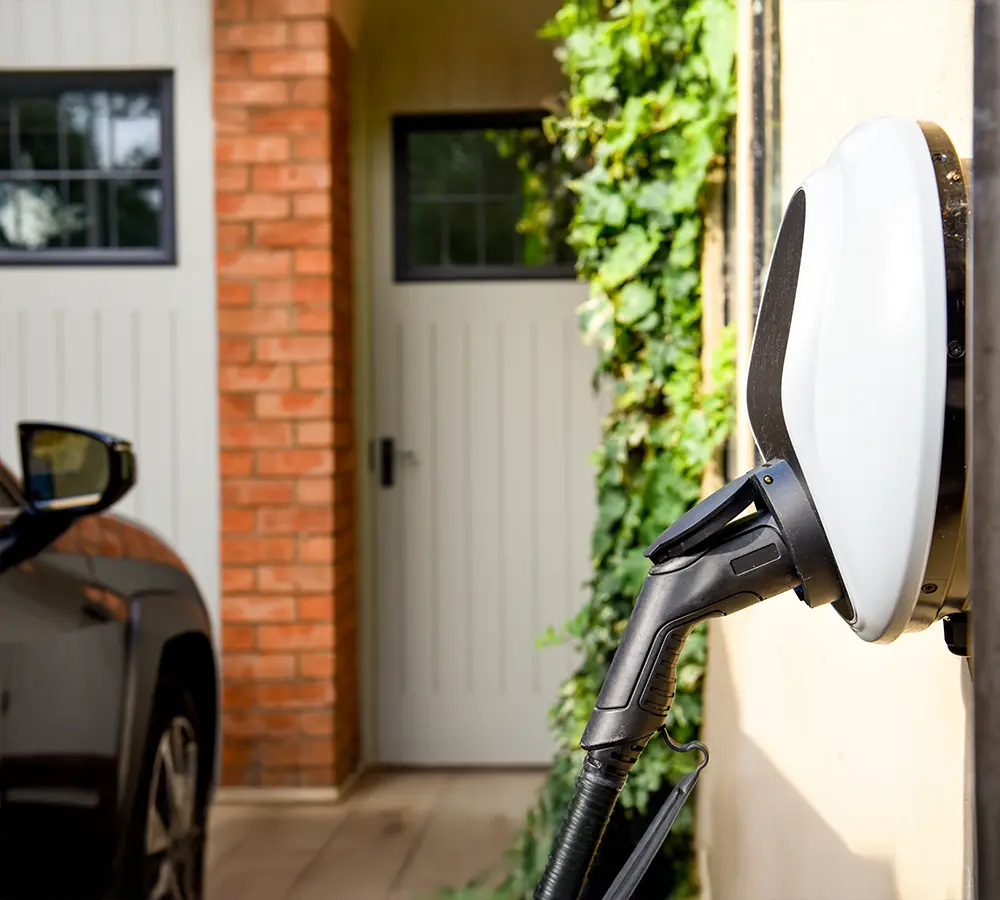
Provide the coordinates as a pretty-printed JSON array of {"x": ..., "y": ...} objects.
[
  {"x": 718, "y": 40},
  {"x": 635, "y": 301},
  {"x": 633, "y": 250}
]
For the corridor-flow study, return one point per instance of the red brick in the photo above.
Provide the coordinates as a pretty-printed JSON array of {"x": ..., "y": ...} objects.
[
  {"x": 321, "y": 776},
  {"x": 254, "y": 321},
  {"x": 231, "y": 235},
  {"x": 238, "y": 637},
  {"x": 235, "y": 521},
  {"x": 313, "y": 206},
  {"x": 230, "y": 10},
  {"x": 231, "y": 178},
  {"x": 315, "y": 319},
  {"x": 311, "y": 91},
  {"x": 290, "y": 9},
  {"x": 235, "y": 581},
  {"x": 293, "y": 406},
  {"x": 288, "y": 579},
  {"x": 315, "y": 609},
  {"x": 258, "y": 609},
  {"x": 313, "y": 262},
  {"x": 253, "y": 35},
  {"x": 258, "y": 550},
  {"x": 292, "y": 234},
  {"x": 314, "y": 434},
  {"x": 234, "y": 293},
  {"x": 253, "y": 207},
  {"x": 252, "y": 148},
  {"x": 291, "y": 177},
  {"x": 291, "y": 120},
  {"x": 233, "y": 408},
  {"x": 270, "y": 778},
  {"x": 314, "y": 33},
  {"x": 257, "y": 377},
  {"x": 243, "y": 723},
  {"x": 259, "y": 263},
  {"x": 238, "y": 753},
  {"x": 294, "y": 462},
  {"x": 231, "y": 63},
  {"x": 294, "y": 520},
  {"x": 231, "y": 120},
  {"x": 238, "y": 695},
  {"x": 314, "y": 491},
  {"x": 235, "y": 350},
  {"x": 295, "y": 694},
  {"x": 293, "y": 349},
  {"x": 315, "y": 550},
  {"x": 314, "y": 377},
  {"x": 288, "y": 62},
  {"x": 258, "y": 493},
  {"x": 310, "y": 148},
  {"x": 258, "y": 667},
  {"x": 252, "y": 92},
  {"x": 316, "y": 723},
  {"x": 253, "y": 435},
  {"x": 235, "y": 464},
  {"x": 296, "y": 752},
  {"x": 295, "y": 637},
  {"x": 311, "y": 290}
]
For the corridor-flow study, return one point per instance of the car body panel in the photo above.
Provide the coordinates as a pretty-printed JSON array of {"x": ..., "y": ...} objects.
[{"x": 86, "y": 626}]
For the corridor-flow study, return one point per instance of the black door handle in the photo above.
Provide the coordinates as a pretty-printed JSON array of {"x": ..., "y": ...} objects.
[{"x": 387, "y": 462}]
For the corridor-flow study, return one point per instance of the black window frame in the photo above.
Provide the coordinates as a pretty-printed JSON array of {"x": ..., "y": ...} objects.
[
  {"x": 405, "y": 124},
  {"x": 18, "y": 85}
]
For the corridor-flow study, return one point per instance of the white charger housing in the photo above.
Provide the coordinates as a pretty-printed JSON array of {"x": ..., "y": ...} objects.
[{"x": 857, "y": 372}]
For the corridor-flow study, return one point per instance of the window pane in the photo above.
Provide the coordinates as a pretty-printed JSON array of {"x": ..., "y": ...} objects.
[
  {"x": 426, "y": 234},
  {"x": 135, "y": 132},
  {"x": 69, "y": 157},
  {"x": 5, "y": 134},
  {"x": 444, "y": 163},
  {"x": 484, "y": 180},
  {"x": 463, "y": 234},
  {"x": 501, "y": 232},
  {"x": 500, "y": 172},
  {"x": 35, "y": 215},
  {"x": 78, "y": 123},
  {"x": 138, "y": 211},
  {"x": 38, "y": 135},
  {"x": 88, "y": 202}
]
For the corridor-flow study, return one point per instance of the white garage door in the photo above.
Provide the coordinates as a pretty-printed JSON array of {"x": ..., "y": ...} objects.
[{"x": 106, "y": 149}]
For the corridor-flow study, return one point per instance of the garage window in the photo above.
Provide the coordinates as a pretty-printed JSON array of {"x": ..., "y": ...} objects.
[
  {"x": 85, "y": 168},
  {"x": 463, "y": 183}
]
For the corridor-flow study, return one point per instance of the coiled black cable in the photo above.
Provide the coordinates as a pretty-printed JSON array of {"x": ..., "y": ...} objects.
[{"x": 597, "y": 790}]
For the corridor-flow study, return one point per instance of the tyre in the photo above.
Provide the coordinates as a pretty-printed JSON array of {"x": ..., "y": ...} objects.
[{"x": 166, "y": 841}]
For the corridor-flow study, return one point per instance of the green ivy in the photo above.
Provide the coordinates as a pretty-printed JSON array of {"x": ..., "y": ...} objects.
[{"x": 651, "y": 96}]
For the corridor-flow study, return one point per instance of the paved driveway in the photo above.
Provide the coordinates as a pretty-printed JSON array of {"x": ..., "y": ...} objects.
[{"x": 398, "y": 836}]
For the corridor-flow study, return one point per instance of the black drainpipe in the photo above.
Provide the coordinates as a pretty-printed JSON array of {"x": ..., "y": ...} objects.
[{"x": 985, "y": 493}]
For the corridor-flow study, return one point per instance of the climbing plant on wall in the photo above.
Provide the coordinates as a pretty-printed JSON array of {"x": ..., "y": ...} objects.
[{"x": 650, "y": 99}]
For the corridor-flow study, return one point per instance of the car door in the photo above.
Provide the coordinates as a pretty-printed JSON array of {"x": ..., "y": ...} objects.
[{"x": 61, "y": 650}]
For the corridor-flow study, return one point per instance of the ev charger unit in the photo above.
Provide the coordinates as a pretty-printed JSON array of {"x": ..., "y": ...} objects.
[{"x": 856, "y": 396}]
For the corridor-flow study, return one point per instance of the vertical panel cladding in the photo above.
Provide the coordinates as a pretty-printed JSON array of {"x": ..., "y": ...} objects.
[
  {"x": 286, "y": 393},
  {"x": 131, "y": 350}
]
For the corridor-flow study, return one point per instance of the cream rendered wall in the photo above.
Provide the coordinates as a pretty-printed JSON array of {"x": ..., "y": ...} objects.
[{"x": 840, "y": 770}]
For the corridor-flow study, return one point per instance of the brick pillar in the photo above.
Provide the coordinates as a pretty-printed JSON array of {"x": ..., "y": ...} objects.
[{"x": 286, "y": 394}]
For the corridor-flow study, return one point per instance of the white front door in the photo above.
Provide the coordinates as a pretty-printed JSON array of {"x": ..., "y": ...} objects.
[{"x": 483, "y": 386}]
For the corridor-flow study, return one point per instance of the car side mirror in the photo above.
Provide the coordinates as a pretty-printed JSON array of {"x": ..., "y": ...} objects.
[{"x": 72, "y": 470}]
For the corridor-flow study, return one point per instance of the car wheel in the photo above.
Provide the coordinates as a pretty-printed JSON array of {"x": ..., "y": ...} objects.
[{"x": 168, "y": 839}]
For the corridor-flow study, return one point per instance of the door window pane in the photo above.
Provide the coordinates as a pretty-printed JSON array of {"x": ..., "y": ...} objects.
[{"x": 463, "y": 183}]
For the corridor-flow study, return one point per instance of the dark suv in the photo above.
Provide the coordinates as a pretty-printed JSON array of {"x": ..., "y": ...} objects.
[{"x": 108, "y": 685}]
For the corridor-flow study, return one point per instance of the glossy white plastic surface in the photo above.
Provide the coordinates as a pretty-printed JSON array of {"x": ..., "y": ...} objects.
[{"x": 863, "y": 387}]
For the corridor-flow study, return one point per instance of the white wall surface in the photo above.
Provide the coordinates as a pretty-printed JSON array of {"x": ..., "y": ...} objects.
[
  {"x": 839, "y": 769},
  {"x": 128, "y": 349}
]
